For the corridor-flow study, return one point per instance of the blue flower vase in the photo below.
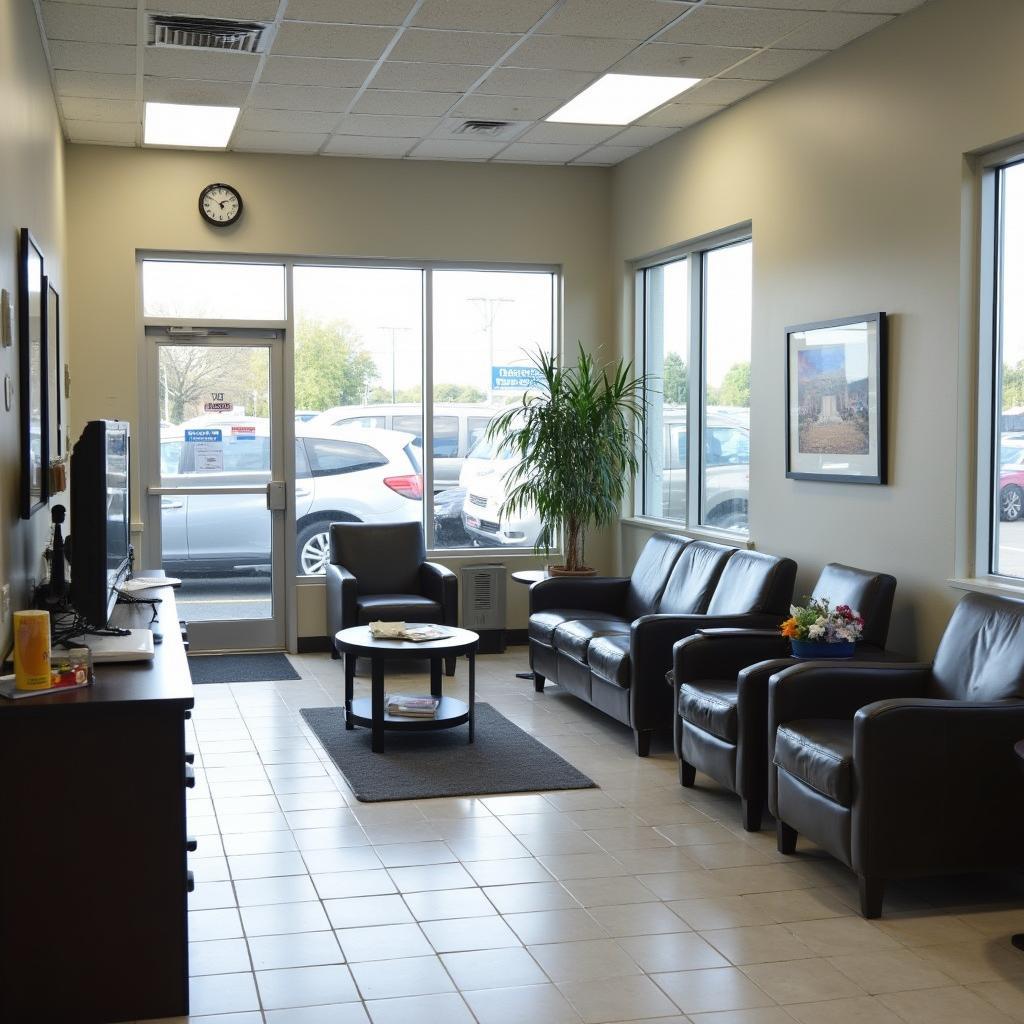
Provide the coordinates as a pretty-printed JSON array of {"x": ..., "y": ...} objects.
[{"x": 810, "y": 650}]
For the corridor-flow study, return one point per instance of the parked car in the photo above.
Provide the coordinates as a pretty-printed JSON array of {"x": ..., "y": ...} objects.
[
  {"x": 449, "y": 530},
  {"x": 351, "y": 474},
  {"x": 457, "y": 428},
  {"x": 1011, "y": 479}
]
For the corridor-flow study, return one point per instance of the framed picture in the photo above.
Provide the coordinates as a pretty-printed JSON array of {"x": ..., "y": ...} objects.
[
  {"x": 836, "y": 400},
  {"x": 53, "y": 371},
  {"x": 35, "y": 455}
]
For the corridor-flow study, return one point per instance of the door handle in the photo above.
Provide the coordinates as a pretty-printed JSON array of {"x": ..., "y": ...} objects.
[
  {"x": 167, "y": 503},
  {"x": 277, "y": 496}
]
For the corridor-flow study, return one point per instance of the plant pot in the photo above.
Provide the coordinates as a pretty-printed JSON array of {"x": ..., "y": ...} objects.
[
  {"x": 811, "y": 650},
  {"x": 560, "y": 570}
]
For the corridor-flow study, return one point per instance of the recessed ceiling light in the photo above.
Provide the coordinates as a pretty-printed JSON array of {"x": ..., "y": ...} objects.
[
  {"x": 620, "y": 99},
  {"x": 187, "y": 124}
]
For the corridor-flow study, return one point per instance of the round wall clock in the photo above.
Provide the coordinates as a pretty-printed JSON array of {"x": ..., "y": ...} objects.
[{"x": 220, "y": 204}]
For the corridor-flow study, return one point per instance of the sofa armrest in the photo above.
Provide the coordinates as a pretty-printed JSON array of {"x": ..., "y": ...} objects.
[
  {"x": 440, "y": 584},
  {"x": 594, "y": 593},
  {"x": 342, "y": 592},
  {"x": 723, "y": 653}
]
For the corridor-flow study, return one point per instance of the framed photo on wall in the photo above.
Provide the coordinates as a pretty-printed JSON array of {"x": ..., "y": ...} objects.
[
  {"x": 35, "y": 455},
  {"x": 53, "y": 371},
  {"x": 836, "y": 400}
]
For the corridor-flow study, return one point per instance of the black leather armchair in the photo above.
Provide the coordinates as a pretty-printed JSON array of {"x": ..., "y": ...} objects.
[
  {"x": 720, "y": 679},
  {"x": 903, "y": 770},
  {"x": 382, "y": 572}
]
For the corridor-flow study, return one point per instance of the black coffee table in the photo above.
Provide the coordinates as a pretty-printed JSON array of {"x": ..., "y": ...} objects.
[{"x": 357, "y": 642}]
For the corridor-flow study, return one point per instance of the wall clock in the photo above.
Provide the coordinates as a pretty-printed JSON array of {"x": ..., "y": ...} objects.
[{"x": 220, "y": 204}]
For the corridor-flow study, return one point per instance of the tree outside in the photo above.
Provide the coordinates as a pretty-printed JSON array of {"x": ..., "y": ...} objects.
[{"x": 331, "y": 366}]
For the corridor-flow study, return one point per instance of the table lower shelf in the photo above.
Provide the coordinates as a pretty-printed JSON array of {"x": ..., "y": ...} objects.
[{"x": 450, "y": 712}]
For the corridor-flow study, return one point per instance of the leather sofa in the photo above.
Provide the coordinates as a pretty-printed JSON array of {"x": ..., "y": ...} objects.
[
  {"x": 903, "y": 770},
  {"x": 609, "y": 641},
  {"x": 382, "y": 572},
  {"x": 720, "y": 679}
]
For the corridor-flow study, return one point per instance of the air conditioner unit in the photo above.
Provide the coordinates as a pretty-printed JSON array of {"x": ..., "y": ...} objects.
[{"x": 483, "y": 605}]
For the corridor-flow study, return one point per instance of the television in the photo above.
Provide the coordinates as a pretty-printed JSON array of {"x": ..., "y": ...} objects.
[{"x": 100, "y": 552}]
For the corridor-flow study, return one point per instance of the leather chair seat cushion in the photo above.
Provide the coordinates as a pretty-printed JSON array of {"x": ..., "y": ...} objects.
[
  {"x": 398, "y": 608},
  {"x": 819, "y": 752},
  {"x": 543, "y": 624},
  {"x": 574, "y": 638},
  {"x": 711, "y": 705},
  {"x": 608, "y": 657}
]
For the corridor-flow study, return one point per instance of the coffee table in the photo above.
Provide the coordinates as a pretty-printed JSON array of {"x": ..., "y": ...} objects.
[{"x": 357, "y": 642}]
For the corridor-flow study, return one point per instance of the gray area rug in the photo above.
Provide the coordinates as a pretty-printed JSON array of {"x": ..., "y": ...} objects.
[
  {"x": 240, "y": 668},
  {"x": 416, "y": 766}
]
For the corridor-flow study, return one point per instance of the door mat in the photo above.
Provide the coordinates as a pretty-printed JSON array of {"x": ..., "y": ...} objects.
[{"x": 240, "y": 668}]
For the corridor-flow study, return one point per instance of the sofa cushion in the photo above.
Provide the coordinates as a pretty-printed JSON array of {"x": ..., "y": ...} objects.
[
  {"x": 608, "y": 657},
  {"x": 398, "y": 608},
  {"x": 711, "y": 705},
  {"x": 649, "y": 575},
  {"x": 753, "y": 582},
  {"x": 819, "y": 752},
  {"x": 694, "y": 577},
  {"x": 573, "y": 638},
  {"x": 543, "y": 624}
]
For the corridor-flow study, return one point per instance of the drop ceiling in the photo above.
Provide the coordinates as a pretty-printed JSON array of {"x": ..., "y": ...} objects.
[{"x": 398, "y": 78}]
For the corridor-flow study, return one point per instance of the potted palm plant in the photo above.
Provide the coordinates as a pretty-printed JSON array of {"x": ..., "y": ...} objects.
[{"x": 574, "y": 441}]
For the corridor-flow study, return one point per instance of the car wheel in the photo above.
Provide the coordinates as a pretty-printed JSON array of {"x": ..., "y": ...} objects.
[
  {"x": 730, "y": 516},
  {"x": 1011, "y": 504},
  {"x": 314, "y": 549}
]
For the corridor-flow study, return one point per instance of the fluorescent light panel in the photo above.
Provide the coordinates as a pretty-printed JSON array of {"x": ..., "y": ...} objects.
[
  {"x": 620, "y": 99},
  {"x": 187, "y": 124}
]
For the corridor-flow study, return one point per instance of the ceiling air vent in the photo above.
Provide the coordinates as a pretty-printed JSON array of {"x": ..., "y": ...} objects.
[
  {"x": 486, "y": 129},
  {"x": 205, "y": 33}
]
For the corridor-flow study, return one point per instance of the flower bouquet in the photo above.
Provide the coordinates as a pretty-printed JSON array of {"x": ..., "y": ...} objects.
[{"x": 820, "y": 631}]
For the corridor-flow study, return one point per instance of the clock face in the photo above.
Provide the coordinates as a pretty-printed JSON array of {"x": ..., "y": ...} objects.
[{"x": 220, "y": 204}]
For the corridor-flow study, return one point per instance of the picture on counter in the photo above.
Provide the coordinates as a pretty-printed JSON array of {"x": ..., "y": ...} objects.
[
  {"x": 835, "y": 400},
  {"x": 35, "y": 454}
]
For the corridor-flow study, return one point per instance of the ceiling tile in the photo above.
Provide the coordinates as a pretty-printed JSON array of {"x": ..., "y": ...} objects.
[
  {"x": 395, "y": 74},
  {"x": 881, "y": 6},
  {"x": 507, "y": 108},
  {"x": 771, "y": 64},
  {"x": 308, "y": 71},
  {"x": 482, "y": 15},
  {"x": 640, "y": 135},
  {"x": 103, "y": 132},
  {"x": 680, "y": 115},
  {"x": 388, "y": 101},
  {"x": 681, "y": 59},
  {"x": 278, "y": 142},
  {"x": 541, "y": 82},
  {"x": 190, "y": 90},
  {"x": 117, "y": 60},
  {"x": 87, "y": 24},
  {"x": 436, "y": 46},
  {"x": 569, "y": 53},
  {"x": 94, "y": 83},
  {"x": 830, "y": 31},
  {"x": 243, "y": 10},
  {"x": 614, "y": 19},
  {"x": 605, "y": 156},
  {"x": 788, "y": 5},
  {"x": 82, "y": 108},
  {"x": 735, "y": 26},
  {"x": 450, "y": 149},
  {"x": 301, "y": 40},
  {"x": 301, "y": 97},
  {"x": 723, "y": 90},
  {"x": 288, "y": 120},
  {"x": 351, "y": 12},
  {"x": 406, "y": 127},
  {"x": 570, "y": 134},
  {"x": 357, "y": 145},
  {"x": 109, "y": 3},
  {"x": 538, "y": 153},
  {"x": 213, "y": 67}
]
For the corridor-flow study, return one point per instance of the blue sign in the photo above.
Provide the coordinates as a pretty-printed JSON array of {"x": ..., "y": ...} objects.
[
  {"x": 205, "y": 436},
  {"x": 515, "y": 378}
]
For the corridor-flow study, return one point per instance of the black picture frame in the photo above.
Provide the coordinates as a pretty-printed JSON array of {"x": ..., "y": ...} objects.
[
  {"x": 837, "y": 400},
  {"x": 55, "y": 406},
  {"x": 32, "y": 337}
]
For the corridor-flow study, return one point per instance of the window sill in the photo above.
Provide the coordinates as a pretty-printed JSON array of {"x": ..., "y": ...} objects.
[
  {"x": 730, "y": 537},
  {"x": 997, "y": 586}
]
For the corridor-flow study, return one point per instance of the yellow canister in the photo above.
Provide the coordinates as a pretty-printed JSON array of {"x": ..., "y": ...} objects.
[{"x": 32, "y": 650}]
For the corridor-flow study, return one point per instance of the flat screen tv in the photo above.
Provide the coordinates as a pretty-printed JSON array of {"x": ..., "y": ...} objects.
[{"x": 100, "y": 521}]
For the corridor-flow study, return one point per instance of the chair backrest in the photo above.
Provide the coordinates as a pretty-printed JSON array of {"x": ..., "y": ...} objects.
[
  {"x": 868, "y": 593},
  {"x": 981, "y": 654},
  {"x": 384, "y": 558},
  {"x": 754, "y": 583},
  {"x": 650, "y": 574},
  {"x": 694, "y": 577}
]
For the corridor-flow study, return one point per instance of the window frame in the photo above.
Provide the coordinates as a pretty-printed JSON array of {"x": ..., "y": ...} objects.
[{"x": 694, "y": 253}]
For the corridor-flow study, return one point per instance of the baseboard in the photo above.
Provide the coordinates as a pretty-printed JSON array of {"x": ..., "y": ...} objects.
[{"x": 322, "y": 644}]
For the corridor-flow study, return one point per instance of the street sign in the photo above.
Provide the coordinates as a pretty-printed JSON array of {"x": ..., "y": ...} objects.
[{"x": 515, "y": 378}]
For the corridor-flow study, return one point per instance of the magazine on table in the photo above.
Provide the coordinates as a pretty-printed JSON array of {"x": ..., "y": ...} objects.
[
  {"x": 401, "y": 631},
  {"x": 411, "y": 705}
]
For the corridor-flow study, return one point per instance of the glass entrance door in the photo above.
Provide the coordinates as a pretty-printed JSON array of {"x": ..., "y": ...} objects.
[{"x": 215, "y": 495}]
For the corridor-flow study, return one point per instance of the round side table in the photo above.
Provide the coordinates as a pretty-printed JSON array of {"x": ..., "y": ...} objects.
[{"x": 528, "y": 577}]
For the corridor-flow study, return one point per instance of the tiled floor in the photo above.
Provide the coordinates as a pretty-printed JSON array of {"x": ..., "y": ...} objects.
[{"x": 639, "y": 900}]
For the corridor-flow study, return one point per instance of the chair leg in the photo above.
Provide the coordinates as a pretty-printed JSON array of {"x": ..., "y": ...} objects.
[
  {"x": 785, "y": 837},
  {"x": 752, "y": 815},
  {"x": 872, "y": 890},
  {"x": 538, "y": 682},
  {"x": 334, "y": 653},
  {"x": 449, "y": 666},
  {"x": 687, "y": 773},
  {"x": 642, "y": 741}
]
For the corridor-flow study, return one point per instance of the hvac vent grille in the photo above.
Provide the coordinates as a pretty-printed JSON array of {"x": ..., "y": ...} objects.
[
  {"x": 170, "y": 30},
  {"x": 487, "y": 129},
  {"x": 483, "y": 592}
]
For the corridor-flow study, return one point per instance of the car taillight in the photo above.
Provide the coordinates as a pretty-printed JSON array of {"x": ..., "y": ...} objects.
[{"x": 410, "y": 486}]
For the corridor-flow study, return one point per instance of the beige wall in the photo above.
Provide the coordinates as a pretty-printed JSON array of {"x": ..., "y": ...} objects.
[
  {"x": 851, "y": 173},
  {"x": 32, "y": 196},
  {"x": 123, "y": 200}
]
